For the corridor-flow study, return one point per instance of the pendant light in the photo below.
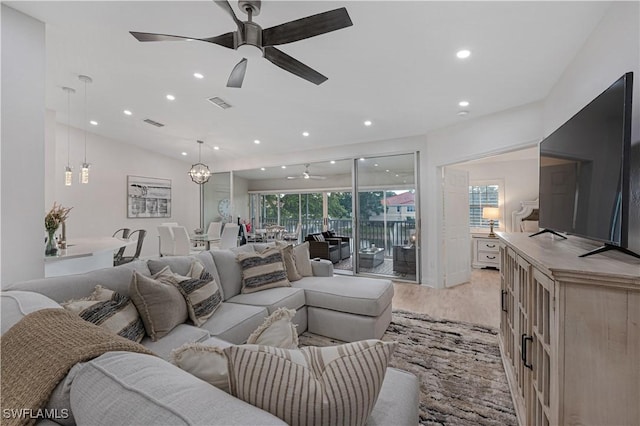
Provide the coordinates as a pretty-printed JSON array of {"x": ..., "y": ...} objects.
[
  {"x": 84, "y": 172},
  {"x": 199, "y": 172},
  {"x": 68, "y": 173}
]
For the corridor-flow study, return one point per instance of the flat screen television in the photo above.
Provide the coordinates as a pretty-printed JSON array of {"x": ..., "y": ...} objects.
[{"x": 584, "y": 171}]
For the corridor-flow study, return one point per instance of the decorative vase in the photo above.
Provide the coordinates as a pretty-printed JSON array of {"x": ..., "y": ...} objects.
[{"x": 52, "y": 245}]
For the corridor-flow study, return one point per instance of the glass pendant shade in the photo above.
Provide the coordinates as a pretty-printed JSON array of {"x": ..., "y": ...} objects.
[
  {"x": 200, "y": 172},
  {"x": 84, "y": 173},
  {"x": 68, "y": 176}
]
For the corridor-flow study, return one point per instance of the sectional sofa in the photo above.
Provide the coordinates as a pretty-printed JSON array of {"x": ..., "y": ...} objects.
[{"x": 127, "y": 388}]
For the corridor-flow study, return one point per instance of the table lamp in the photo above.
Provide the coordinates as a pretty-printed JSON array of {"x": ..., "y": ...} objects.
[{"x": 491, "y": 213}]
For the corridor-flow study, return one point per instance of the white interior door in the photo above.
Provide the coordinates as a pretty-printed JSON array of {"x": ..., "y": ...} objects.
[{"x": 456, "y": 239}]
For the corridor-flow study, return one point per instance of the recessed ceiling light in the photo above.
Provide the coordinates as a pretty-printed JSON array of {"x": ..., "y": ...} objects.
[
  {"x": 216, "y": 148},
  {"x": 171, "y": 97},
  {"x": 305, "y": 134},
  {"x": 127, "y": 112},
  {"x": 387, "y": 170},
  {"x": 464, "y": 53},
  {"x": 463, "y": 113},
  {"x": 361, "y": 158},
  {"x": 257, "y": 142},
  {"x": 93, "y": 122},
  {"x": 333, "y": 161},
  {"x": 263, "y": 169},
  {"x": 368, "y": 123},
  {"x": 184, "y": 153},
  {"x": 198, "y": 75},
  {"x": 284, "y": 167},
  {"x": 375, "y": 165},
  {"x": 463, "y": 103}
]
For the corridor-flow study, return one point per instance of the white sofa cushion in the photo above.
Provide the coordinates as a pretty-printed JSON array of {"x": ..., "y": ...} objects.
[
  {"x": 184, "y": 333},
  {"x": 15, "y": 305},
  {"x": 234, "y": 322},
  {"x": 121, "y": 388},
  {"x": 354, "y": 295},
  {"x": 273, "y": 298}
]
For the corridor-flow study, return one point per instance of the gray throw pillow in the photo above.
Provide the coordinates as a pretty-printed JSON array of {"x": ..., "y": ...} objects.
[
  {"x": 201, "y": 292},
  {"x": 301, "y": 257},
  {"x": 159, "y": 302},
  {"x": 111, "y": 310},
  {"x": 261, "y": 271}
]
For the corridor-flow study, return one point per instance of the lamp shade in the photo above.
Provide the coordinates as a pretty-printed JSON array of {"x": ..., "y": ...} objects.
[{"x": 492, "y": 213}]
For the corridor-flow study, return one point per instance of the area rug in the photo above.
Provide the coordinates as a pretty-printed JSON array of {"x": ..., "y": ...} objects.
[{"x": 462, "y": 380}]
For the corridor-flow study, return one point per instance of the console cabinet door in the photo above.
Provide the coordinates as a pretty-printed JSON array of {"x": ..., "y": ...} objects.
[
  {"x": 523, "y": 335},
  {"x": 543, "y": 358}
]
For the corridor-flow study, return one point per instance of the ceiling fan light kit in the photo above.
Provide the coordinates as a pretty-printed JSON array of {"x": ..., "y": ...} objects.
[{"x": 253, "y": 41}]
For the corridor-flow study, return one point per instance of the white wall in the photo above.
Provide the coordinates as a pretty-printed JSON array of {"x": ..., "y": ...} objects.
[
  {"x": 610, "y": 51},
  {"x": 22, "y": 151},
  {"x": 100, "y": 207}
]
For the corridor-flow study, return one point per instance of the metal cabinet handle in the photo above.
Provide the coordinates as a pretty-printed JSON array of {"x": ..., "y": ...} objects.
[
  {"x": 523, "y": 344},
  {"x": 490, "y": 245},
  {"x": 502, "y": 301},
  {"x": 491, "y": 257}
]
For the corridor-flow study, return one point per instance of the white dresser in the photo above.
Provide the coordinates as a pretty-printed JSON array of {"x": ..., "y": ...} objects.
[{"x": 485, "y": 252}]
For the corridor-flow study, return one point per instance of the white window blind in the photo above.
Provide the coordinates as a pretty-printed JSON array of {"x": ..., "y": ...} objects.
[{"x": 482, "y": 196}]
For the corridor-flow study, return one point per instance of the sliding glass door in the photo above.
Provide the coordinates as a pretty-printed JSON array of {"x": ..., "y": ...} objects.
[{"x": 386, "y": 238}]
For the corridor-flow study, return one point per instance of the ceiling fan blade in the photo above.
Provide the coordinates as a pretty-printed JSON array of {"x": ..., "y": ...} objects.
[
  {"x": 317, "y": 177},
  {"x": 294, "y": 177},
  {"x": 237, "y": 75},
  {"x": 287, "y": 63},
  {"x": 158, "y": 37},
  {"x": 306, "y": 27},
  {"x": 225, "y": 40},
  {"x": 224, "y": 4}
]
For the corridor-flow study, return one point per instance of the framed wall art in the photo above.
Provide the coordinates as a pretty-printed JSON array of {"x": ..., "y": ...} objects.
[{"x": 148, "y": 197}]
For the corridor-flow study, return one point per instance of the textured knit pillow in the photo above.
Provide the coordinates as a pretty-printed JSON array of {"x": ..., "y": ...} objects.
[
  {"x": 111, "y": 310},
  {"x": 311, "y": 386},
  {"x": 289, "y": 261},
  {"x": 261, "y": 271},
  {"x": 209, "y": 363},
  {"x": 159, "y": 302},
  {"x": 201, "y": 292},
  {"x": 302, "y": 258}
]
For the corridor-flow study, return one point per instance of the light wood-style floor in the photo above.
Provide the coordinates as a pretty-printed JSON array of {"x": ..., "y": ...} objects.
[{"x": 477, "y": 302}]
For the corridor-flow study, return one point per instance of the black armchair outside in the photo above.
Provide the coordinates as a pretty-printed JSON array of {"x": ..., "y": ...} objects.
[{"x": 326, "y": 246}]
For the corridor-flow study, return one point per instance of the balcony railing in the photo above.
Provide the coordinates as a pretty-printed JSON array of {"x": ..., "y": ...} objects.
[{"x": 372, "y": 232}]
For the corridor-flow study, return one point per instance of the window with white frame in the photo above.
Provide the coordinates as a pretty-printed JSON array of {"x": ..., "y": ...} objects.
[{"x": 484, "y": 194}]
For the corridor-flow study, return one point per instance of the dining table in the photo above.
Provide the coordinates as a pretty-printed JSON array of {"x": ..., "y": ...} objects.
[{"x": 204, "y": 238}]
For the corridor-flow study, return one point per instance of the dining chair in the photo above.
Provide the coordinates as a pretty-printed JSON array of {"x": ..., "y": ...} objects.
[
  {"x": 214, "y": 230},
  {"x": 293, "y": 236},
  {"x": 182, "y": 242},
  {"x": 170, "y": 225},
  {"x": 167, "y": 244},
  {"x": 229, "y": 238},
  {"x": 125, "y": 234},
  {"x": 139, "y": 235}
]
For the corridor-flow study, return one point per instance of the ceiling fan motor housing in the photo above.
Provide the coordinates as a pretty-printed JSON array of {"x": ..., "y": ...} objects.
[{"x": 251, "y": 34}]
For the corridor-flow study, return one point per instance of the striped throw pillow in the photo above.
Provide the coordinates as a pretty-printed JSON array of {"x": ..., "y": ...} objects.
[
  {"x": 335, "y": 385},
  {"x": 111, "y": 310},
  {"x": 201, "y": 292},
  {"x": 261, "y": 271}
]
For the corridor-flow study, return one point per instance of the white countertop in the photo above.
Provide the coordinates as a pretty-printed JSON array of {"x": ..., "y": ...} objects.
[{"x": 84, "y": 247}]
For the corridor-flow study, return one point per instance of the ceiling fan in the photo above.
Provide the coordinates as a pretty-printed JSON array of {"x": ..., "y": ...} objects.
[
  {"x": 307, "y": 175},
  {"x": 251, "y": 38}
]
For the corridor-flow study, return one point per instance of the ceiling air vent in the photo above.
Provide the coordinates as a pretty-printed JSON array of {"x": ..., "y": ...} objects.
[
  {"x": 153, "y": 123},
  {"x": 219, "y": 102}
]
